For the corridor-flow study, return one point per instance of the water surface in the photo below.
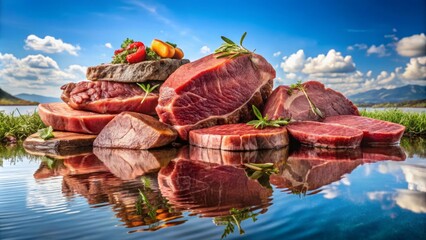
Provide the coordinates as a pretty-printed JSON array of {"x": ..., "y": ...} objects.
[{"x": 192, "y": 193}]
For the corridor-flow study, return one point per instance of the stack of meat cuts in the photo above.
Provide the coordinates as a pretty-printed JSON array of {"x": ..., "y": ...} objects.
[{"x": 90, "y": 105}]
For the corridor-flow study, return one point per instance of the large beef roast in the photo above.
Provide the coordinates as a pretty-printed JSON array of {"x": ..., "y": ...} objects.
[
  {"x": 375, "y": 131},
  {"x": 109, "y": 97},
  {"x": 135, "y": 131},
  {"x": 285, "y": 104},
  {"x": 239, "y": 137},
  {"x": 325, "y": 134},
  {"x": 61, "y": 117},
  {"x": 213, "y": 91},
  {"x": 137, "y": 72}
]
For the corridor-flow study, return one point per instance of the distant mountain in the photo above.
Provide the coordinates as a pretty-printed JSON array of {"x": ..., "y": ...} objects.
[
  {"x": 37, "y": 98},
  {"x": 401, "y": 94},
  {"x": 8, "y": 99}
]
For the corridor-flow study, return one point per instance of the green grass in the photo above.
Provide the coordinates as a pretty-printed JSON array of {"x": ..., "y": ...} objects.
[
  {"x": 19, "y": 126},
  {"x": 414, "y": 122}
]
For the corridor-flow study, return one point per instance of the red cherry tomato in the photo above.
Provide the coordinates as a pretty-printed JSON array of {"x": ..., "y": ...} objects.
[{"x": 139, "y": 55}]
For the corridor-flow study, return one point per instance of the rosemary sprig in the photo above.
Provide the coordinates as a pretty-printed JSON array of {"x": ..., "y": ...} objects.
[
  {"x": 300, "y": 87},
  {"x": 231, "y": 49},
  {"x": 262, "y": 122},
  {"x": 147, "y": 88}
]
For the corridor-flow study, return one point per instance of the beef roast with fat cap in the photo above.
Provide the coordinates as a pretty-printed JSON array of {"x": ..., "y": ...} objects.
[
  {"x": 239, "y": 137},
  {"x": 61, "y": 117},
  {"x": 326, "y": 135},
  {"x": 376, "y": 132},
  {"x": 135, "y": 72},
  {"x": 135, "y": 131},
  {"x": 109, "y": 97},
  {"x": 294, "y": 105},
  {"x": 212, "y": 91}
]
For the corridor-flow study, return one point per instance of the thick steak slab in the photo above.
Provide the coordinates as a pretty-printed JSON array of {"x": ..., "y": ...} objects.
[
  {"x": 108, "y": 97},
  {"x": 213, "y": 91},
  {"x": 132, "y": 130},
  {"x": 137, "y": 72},
  {"x": 61, "y": 117},
  {"x": 326, "y": 135},
  {"x": 375, "y": 131},
  {"x": 281, "y": 104},
  {"x": 239, "y": 137}
]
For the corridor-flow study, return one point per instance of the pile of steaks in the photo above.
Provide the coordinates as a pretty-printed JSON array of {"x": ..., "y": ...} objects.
[{"x": 207, "y": 103}]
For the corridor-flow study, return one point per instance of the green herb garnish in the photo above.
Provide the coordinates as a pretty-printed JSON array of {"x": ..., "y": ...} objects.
[
  {"x": 147, "y": 88},
  {"x": 262, "y": 122},
  {"x": 46, "y": 133},
  {"x": 300, "y": 87},
  {"x": 151, "y": 55},
  {"x": 126, "y": 43},
  {"x": 231, "y": 49}
]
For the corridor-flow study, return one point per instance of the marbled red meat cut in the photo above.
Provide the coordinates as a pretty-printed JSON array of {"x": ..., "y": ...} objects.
[
  {"x": 61, "y": 117},
  {"x": 109, "y": 97},
  {"x": 212, "y": 91},
  {"x": 239, "y": 137},
  {"x": 325, "y": 134},
  {"x": 375, "y": 131},
  {"x": 282, "y": 104}
]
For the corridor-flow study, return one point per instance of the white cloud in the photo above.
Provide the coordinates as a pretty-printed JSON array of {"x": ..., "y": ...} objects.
[
  {"x": 358, "y": 46},
  {"x": 379, "y": 50},
  {"x": 50, "y": 44},
  {"x": 108, "y": 45},
  {"x": 415, "y": 69},
  {"x": 294, "y": 63},
  {"x": 333, "y": 62},
  {"x": 339, "y": 72},
  {"x": 413, "y": 46},
  {"x": 276, "y": 54},
  {"x": 36, "y": 74},
  {"x": 411, "y": 200},
  {"x": 205, "y": 50}
]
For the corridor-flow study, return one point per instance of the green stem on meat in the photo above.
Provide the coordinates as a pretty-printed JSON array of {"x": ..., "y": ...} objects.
[
  {"x": 147, "y": 88},
  {"x": 300, "y": 87},
  {"x": 262, "y": 122}
]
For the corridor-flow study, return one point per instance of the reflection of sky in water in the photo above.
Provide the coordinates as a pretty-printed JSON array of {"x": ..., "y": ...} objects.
[
  {"x": 46, "y": 196},
  {"x": 414, "y": 197}
]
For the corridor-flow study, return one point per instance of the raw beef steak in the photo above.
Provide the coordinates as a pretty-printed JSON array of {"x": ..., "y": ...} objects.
[
  {"x": 213, "y": 91},
  {"x": 137, "y": 72},
  {"x": 132, "y": 130},
  {"x": 61, "y": 117},
  {"x": 325, "y": 134},
  {"x": 282, "y": 104},
  {"x": 375, "y": 131},
  {"x": 109, "y": 97},
  {"x": 239, "y": 137}
]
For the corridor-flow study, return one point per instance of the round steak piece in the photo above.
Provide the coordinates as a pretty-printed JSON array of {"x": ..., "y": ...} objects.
[
  {"x": 326, "y": 135},
  {"x": 239, "y": 137}
]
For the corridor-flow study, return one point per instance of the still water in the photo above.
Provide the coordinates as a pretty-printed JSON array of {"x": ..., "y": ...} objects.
[{"x": 193, "y": 193}]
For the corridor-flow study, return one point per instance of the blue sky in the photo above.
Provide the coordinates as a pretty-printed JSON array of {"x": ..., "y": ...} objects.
[{"x": 351, "y": 46}]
